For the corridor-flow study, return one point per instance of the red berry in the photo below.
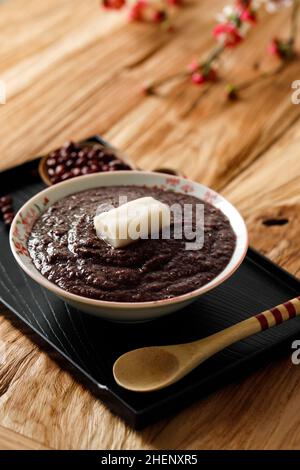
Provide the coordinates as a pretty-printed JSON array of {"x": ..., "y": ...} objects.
[
  {"x": 228, "y": 33},
  {"x": 159, "y": 16},
  {"x": 193, "y": 66},
  {"x": 114, "y": 4},
  {"x": 136, "y": 12},
  {"x": 248, "y": 15},
  {"x": 198, "y": 78}
]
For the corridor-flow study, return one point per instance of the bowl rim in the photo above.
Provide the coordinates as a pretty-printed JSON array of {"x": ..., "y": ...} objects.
[{"x": 189, "y": 296}]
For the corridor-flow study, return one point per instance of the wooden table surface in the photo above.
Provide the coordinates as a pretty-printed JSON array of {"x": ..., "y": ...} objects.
[{"x": 72, "y": 71}]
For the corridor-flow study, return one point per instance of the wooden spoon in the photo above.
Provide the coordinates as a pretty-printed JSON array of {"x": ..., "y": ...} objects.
[{"x": 153, "y": 368}]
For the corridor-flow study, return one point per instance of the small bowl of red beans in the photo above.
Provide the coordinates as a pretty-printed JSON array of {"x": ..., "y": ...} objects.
[{"x": 77, "y": 159}]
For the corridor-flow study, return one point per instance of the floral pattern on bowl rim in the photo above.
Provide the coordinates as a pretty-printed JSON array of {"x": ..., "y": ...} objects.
[{"x": 24, "y": 224}]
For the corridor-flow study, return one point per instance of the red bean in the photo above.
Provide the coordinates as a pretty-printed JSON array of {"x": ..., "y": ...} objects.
[
  {"x": 117, "y": 165},
  {"x": 54, "y": 154},
  {"x": 66, "y": 176},
  {"x": 81, "y": 161},
  {"x": 85, "y": 170},
  {"x": 90, "y": 163},
  {"x": 54, "y": 179},
  {"x": 92, "y": 154},
  {"x": 6, "y": 209},
  {"x": 69, "y": 163},
  {"x": 63, "y": 159},
  {"x": 107, "y": 158},
  {"x": 51, "y": 162},
  {"x": 5, "y": 200},
  {"x": 69, "y": 146},
  {"x": 60, "y": 170},
  {"x": 8, "y": 214},
  {"x": 71, "y": 160},
  {"x": 75, "y": 171},
  {"x": 94, "y": 168},
  {"x": 8, "y": 218}
]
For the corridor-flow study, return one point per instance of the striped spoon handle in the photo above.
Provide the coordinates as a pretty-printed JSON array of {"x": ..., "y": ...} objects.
[
  {"x": 252, "y": 325},
  {"x": 279, "y": 314}
]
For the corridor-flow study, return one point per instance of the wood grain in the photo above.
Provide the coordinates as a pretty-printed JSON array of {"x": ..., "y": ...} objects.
[
  {"x": 10, "y": 440},
  {"x": 72, "y": 71}
]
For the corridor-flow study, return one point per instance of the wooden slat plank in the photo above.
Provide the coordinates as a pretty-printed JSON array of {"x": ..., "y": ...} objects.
[{"x": 270, "y": 189}]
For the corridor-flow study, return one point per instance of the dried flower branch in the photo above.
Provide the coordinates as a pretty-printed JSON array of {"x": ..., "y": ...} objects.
[
  {"x": 284, "y": 50},
  {"x": 149, "y": 11},
  {"x": 234, "y": 23}
]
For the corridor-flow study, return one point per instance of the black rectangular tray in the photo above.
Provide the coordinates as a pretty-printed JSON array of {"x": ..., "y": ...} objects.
[{"x": 90, "y": 345}]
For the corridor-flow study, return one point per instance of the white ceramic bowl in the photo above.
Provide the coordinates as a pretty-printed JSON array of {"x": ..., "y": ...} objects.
[{"x": 123, "y": 311}]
